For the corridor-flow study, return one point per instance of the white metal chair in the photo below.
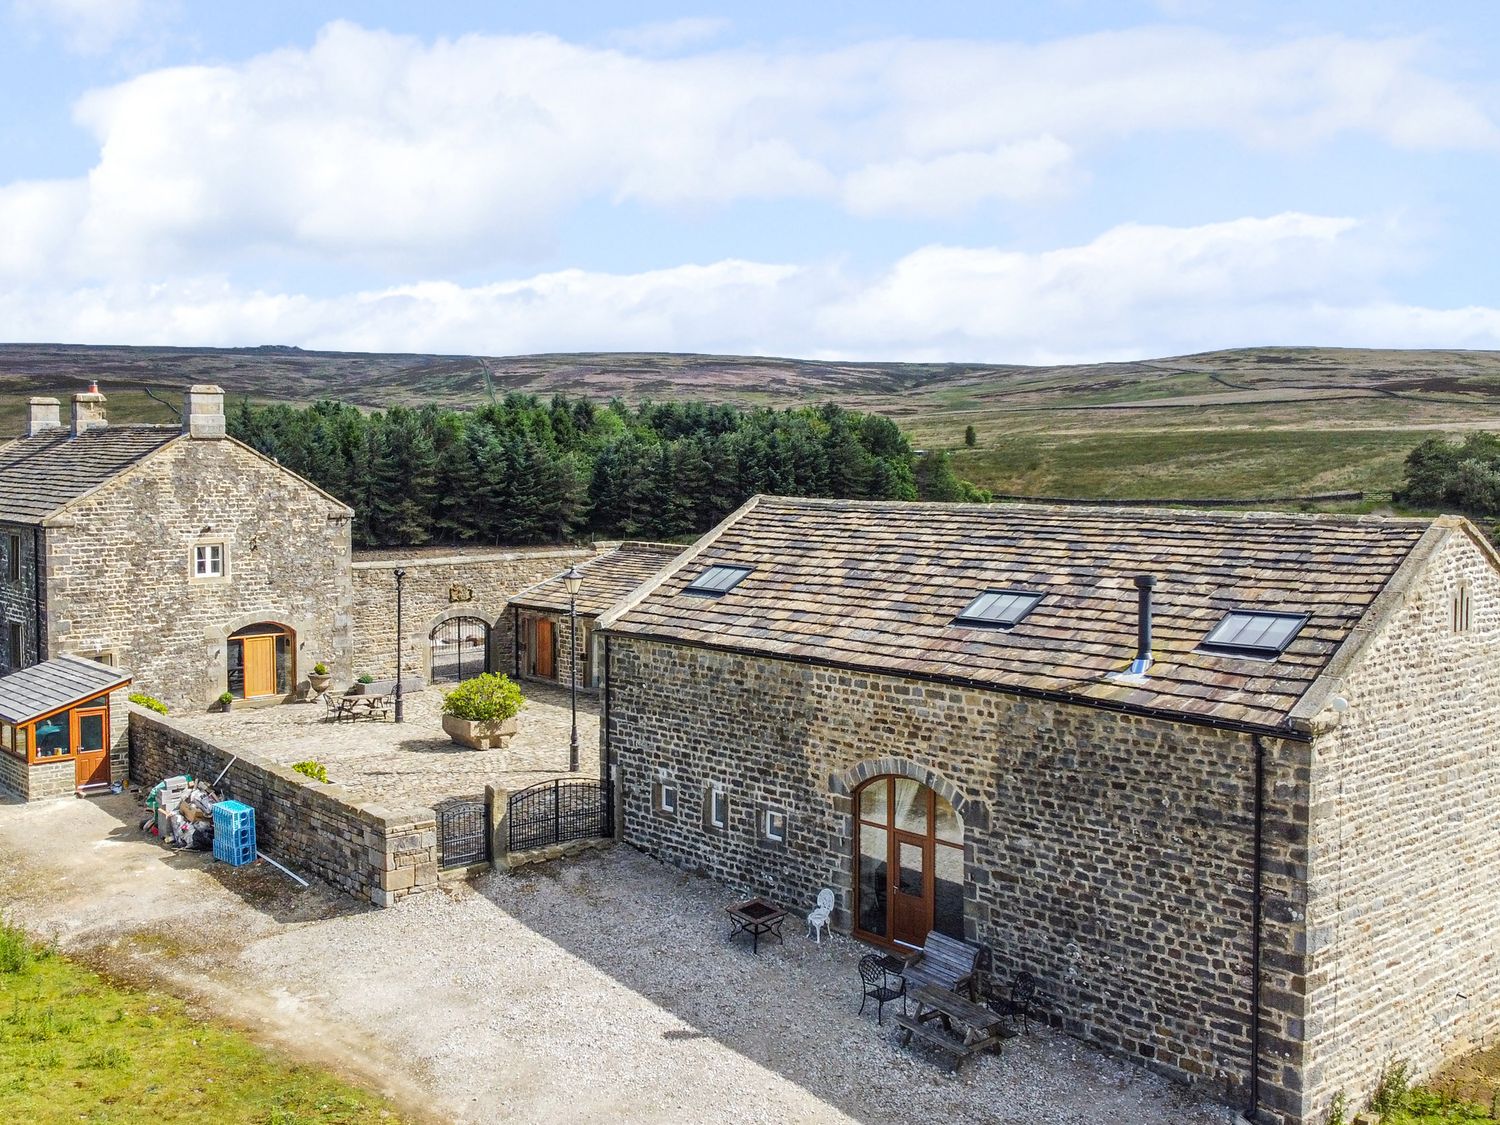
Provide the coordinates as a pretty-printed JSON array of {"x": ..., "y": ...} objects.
[{"x": 818, "y": 919}]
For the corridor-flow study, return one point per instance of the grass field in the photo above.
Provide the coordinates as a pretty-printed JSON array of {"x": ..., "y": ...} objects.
[{"x": 74, "y": 1047}]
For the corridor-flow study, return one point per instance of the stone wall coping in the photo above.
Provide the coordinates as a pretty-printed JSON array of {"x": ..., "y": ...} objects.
[
  {"x": 501, "y": 555},
  {"x": 391, "y": 819}
]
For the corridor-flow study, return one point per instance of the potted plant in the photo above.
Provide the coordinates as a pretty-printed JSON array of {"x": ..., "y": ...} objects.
[
  {"x": 319, "y": 678},
  {"x": 481, "y": 713},
  {"x": 226, "y": 701},
  {"x": 358, "y": 686}
]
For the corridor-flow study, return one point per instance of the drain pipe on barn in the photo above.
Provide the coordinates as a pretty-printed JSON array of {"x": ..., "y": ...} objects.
[{"x": 1256, "y": 897}]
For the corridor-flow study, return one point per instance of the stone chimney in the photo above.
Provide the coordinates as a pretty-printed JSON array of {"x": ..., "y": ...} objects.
[
  {"x": 88, "y": 411},
  {"x": 43, "y": 414},
  {"x": 203, "y": 411}
]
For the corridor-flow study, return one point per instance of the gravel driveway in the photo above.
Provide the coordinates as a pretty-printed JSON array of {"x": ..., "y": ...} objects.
[{"x": 598, "y": 989}]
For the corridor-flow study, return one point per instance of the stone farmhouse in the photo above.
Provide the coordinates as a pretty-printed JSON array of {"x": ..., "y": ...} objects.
[
  {"x": 179, "y": 554},
  {"x": 1224, "y": 783},
  {"x": 541, "y": 615}
]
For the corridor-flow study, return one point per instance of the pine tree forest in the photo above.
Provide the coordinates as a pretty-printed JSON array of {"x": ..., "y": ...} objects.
[{"x": 526, "y": 471}]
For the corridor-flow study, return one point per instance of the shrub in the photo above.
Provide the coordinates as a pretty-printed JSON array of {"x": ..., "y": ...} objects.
[
  {"x": 226, "y": 698},
  {"x": 320, "y": 669},
  {"x": 366, "y": 678},
  {"x": 1394, "y": 1088},
  {"x": 484, "y": 699},
  {"x": 16, "y": 953},
  {"x": 150, "y": 702},
  {"x": 315, "y": 770},
  {"x": 1338, "y": 1110}
]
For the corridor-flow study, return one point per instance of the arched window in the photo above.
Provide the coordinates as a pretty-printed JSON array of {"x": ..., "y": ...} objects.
[
  {"x": 261, "y": 661},
  {"x": 460, "y": 649},
  {"x": 908, "y": 863}
]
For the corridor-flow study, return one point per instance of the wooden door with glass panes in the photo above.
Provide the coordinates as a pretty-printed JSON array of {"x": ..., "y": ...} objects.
[{"x": 91, "y": 746}]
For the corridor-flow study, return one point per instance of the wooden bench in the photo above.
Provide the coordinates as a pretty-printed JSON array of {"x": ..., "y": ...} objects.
[{"x": 945, "y": 962}]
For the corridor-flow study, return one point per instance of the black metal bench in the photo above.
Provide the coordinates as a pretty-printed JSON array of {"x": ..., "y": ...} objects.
[{"x": 945, "y": 962}]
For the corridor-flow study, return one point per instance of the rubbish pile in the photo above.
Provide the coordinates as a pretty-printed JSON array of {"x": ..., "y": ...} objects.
[{"x": 181, "y": 811}]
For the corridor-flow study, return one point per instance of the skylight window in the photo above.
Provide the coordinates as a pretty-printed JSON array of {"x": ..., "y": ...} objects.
[
  {"x": 998, "y": 609},
  {"x": 717, "y": 580},
  {"x": 1243, "y": 633}
]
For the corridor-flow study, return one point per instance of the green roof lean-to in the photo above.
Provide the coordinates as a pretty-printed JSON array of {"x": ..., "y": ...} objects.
[{"x": 878, "y": 586}]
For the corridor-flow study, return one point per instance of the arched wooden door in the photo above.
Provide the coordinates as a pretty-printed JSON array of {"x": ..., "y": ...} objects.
[
  {"x": 261, "y": 661},
  {"x": 908, "y": 863}
]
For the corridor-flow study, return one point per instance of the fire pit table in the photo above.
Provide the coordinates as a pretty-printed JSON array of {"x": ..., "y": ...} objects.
[{"x": 755, "y": 916}]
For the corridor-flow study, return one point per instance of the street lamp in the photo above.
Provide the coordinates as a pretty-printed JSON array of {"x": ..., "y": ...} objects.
[
  {"x": 573, "y": 580},
  {"x": 400, "y": 578}
]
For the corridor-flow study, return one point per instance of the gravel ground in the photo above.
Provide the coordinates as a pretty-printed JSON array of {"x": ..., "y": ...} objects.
[{"x": 602, "y": 988}]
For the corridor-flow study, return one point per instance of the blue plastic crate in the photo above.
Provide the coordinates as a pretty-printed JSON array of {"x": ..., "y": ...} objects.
[{"x": 234, "y": 833}]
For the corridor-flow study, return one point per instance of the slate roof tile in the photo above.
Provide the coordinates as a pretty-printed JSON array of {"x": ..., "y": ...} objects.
[
  {"x": 606, "y": 579},
  {"x": 53, "y": 684},
  {"x": 38, "y": 475}
]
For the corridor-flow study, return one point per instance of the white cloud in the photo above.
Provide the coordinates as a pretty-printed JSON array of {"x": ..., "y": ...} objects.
[
  {"x": 1133, "y": 291},
  {"x": 88, "y": 27},
  {"x": 670, "y": 35},
  {"x": 423, "y": 158}
]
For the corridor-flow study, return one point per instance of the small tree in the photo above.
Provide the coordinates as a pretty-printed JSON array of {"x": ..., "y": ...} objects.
[
  {"x": 487, "y": 698},
  {"x": 971, "y": 439}
]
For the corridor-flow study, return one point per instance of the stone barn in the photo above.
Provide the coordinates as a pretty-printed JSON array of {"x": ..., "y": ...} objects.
[
  {"x": 176, "y": 552},
  {"x": 1226, "y": 784}
]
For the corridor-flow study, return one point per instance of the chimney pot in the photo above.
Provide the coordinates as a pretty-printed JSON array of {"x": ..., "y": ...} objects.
[
  {"x": 203, "y": 412},
  {"x": 43, "y": 414},
  {"x": 88, "y": 411}
]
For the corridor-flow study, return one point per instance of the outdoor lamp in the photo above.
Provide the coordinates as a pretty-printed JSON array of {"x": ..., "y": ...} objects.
[{"x": 573, "y": 580}]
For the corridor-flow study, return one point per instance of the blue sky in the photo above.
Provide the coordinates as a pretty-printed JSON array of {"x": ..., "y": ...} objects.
[{"x": 996, "y": 182}]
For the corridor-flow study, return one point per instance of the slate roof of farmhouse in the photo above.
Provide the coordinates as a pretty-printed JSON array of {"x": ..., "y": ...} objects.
[
  {"x": 606, "y": 579},
  {"x": 39, "y": 475},
  {"x": 54, "y": 684},
  {"x": 877, "y": 586}
]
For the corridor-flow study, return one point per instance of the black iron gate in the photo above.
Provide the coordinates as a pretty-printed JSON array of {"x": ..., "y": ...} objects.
[
  {"x": 555, "y": 812},
  {"x": 463, "y": 831},
  {"x": 460, "y": 649}
]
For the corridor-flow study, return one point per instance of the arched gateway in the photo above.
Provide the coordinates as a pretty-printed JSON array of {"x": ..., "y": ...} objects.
[{"x": 908, "y": 863}]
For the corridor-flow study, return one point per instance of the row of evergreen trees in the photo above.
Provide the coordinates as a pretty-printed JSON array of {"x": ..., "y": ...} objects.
[{"x": 523, "y": 471}]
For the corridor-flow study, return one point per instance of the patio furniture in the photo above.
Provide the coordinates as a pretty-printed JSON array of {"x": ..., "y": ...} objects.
[
  {"x": 875, "y": 974},
  {"x": 1017, "y": 1001},
  {"x": 818, "y": 919},
  {"x": 945, "y": 962},
  {"x": 980, "y": 1026},
  {"x": 755, "y": 916}
]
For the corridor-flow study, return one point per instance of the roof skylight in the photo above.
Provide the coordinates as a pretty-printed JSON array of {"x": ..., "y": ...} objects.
[
  {"x": 998, "y": 609},
  {"x": 717, "y": 580},
  {"x": 1247, "y": 633}
]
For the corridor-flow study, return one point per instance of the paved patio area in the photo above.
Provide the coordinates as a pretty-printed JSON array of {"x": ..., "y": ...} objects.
[{"x": 414, "y": 762}]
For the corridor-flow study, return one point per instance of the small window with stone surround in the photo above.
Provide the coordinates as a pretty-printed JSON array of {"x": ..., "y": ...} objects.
[
  {"x": 716, "y": 809},
  {"x": 664, "y": 798},
  {"x": 1462, "y": 609},
  {"x": 208, "y": 560},
  {"x": 13, "y": 557}
]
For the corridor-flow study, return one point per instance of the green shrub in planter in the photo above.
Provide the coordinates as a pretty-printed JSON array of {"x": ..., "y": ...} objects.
[
  {"x": 485, "y": 698},
  {"x": 320, "y": 669},
  {"x": 367, "y": 679},
  {"x": 150, "y": 702},
  {"x": 315, "y": 770}
]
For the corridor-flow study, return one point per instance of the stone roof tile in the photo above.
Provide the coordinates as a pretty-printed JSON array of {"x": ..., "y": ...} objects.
[{"x": 38, "y": 475}]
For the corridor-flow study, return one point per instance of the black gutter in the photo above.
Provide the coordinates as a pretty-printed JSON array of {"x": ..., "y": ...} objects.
[
  {"x": 978, "y": 685},
  {"x": 1255, "y": 925},
  {"x": 606, "y": 762},
  {"x": 36, "y": 589}
]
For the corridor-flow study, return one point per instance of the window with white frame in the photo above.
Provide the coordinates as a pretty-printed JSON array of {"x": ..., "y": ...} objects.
[
  {"x": 774, "y": 826},
  {"x": 208, "y": 560},
  {"x": 717, "y": 808},
  {"x": 664, "y": 797}
]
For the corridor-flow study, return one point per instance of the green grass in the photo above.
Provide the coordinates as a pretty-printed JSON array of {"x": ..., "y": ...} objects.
[{"x": 75, "y": 1047}]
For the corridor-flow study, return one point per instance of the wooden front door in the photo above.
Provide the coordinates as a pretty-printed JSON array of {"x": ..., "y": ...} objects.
[
  {"x": 91, "y": 747},
  {"x": 911, "y": 889},
  {"x": 260, "y": 666},
  {"x": 545, "y": 666}
]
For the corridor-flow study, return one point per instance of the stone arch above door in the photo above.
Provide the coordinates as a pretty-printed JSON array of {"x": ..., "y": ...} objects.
[{"x": 843, "y": 783}]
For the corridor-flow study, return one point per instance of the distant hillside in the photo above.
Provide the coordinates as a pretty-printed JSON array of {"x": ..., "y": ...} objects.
[{"x": 1251, "y": 422}]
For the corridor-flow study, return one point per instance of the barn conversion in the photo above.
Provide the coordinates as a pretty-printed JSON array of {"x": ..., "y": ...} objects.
[{"x": 1223, "y": 783}]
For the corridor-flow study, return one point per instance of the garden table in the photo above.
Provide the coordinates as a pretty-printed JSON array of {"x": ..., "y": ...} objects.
[{"x": 756, "y": 916}]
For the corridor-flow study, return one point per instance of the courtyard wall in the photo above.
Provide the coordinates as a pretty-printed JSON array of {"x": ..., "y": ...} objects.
[
  {"x": 376, "y": 854},
  {"x": 440, "y": 586},
  {"x": 1110, "y": 855},
  {"x": 1403, "y": 917}
]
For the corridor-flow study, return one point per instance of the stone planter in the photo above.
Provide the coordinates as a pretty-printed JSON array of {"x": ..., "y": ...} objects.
[
  {"x": 491, "y": 734},
  {"x": 319, "y": 684}
]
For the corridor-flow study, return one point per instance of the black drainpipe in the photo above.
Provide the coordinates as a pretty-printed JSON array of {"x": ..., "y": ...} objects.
[
  {"x": 36, "y": 590},
  {"x": 1255, "y": 900},
  {"x": 515, "y": 638},
  {"x": 606, "y": 768}
]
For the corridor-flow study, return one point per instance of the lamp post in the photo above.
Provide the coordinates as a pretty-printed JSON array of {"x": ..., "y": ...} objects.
[
  {"x": 400, "y": 578},
  {"x": 573, "y": 580}
]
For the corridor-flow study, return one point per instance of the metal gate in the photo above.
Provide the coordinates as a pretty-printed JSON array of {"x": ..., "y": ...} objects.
[
  {"x": 460, "y": 649},
  {"x": 463, "y": 831},
  {"x": 555, "y": 812}
]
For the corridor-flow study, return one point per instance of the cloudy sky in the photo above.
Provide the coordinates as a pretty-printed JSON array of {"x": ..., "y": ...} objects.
[{"x": 1009, "y": 182}]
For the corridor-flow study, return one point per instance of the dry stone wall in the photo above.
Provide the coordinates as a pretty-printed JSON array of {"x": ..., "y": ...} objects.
[
  {"x": 1110, "y": 855},
  {"x": 119, "y": 568},
  {"x": 438, "y": 587},
  {"x": 18, "y": 601},
  {"x": 376, "y": 854},
  {"x": 1403, "y": 919}
]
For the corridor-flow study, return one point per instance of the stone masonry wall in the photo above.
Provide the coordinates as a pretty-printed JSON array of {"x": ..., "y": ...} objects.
[
  {"x": 376, "y": 854},
  {"x": 470, "y": 583},
  {"x": 119, "y": 566},
  {"x": 1403, "y": 918},
  {"x": 1110, "y": 855},
  {"x": 18, "y": 598},
  {"x": 59, "y": 779}
]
